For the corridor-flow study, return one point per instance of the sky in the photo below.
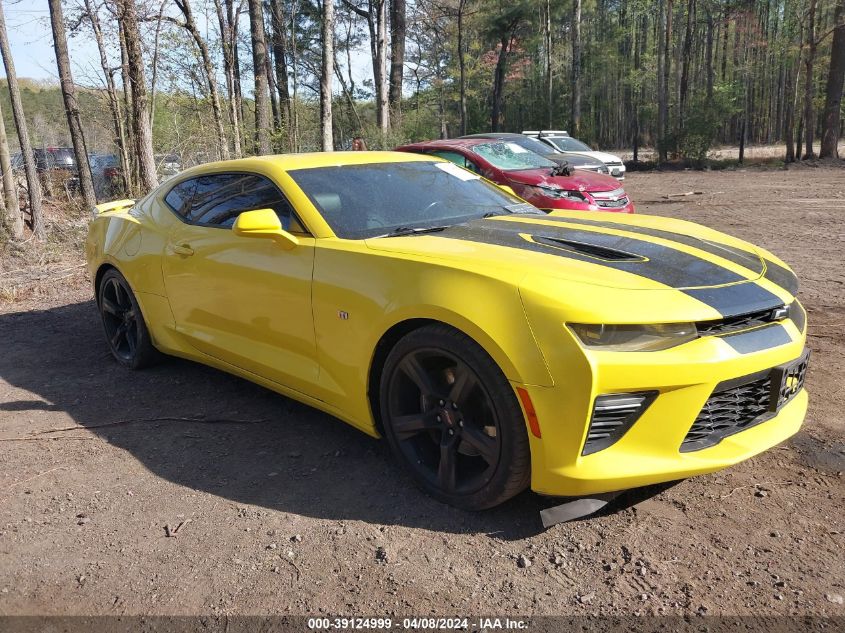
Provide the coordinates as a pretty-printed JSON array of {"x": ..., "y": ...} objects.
[{"x": 31, "y": 42}]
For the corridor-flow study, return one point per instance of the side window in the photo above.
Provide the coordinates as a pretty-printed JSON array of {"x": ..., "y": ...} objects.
[
  {"x": 220, "y": 198},
  {"x": 179, "y": 198},
  {"x": 459, "y": 159}
]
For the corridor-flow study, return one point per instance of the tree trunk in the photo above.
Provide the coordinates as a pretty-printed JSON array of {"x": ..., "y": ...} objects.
[
  {"x": 461, "y": 67},
  {"x": 208, "y": 68},
  {"x": 10, "y": 188},
  {"x": 547, "y": 53},
  {"x": 380, "y": 61},
  {"x": 83, "y": 169},
  {"x": 809, "y": 92},
  {"x": 326, "y": 132},
  {"x": 499, "y": 80},
  {"x": 683, "y": 88},
  {"x": 224, "y": 20},
  {"x": 709, "y": 54},
  {"x": 661, "y": 88},
  {"x": 576, "y": 67},
  {"x": 833, "y": 93},
  {"x": 259, "y": 65},
  {"x": 32, "y": 183},
  {"x": 142, "y": 131},
  {"x": 132, "y": 174},
  {"x": 663, "y": 105},
  {"x": 279, "y": 40},
  {"x": 114, "y": 102},
  {"x": 397, "y": 59}
]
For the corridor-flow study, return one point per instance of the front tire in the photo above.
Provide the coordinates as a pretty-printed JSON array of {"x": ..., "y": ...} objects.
[
  {"x": 126, "y": 332},
  {"x": 452, "y": 419}
]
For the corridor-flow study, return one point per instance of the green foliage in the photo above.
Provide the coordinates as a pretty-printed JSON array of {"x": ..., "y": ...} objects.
[{"x": 705, "y": 118}]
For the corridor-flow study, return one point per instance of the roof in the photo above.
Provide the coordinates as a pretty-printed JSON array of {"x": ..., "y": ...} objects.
[
  {"x": 449, "y": 143},
  {"x": 306, "y": 161},
  {"x": 494, "y": 135}
]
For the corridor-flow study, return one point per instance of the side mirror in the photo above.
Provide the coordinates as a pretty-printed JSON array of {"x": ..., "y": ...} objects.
[
  {"x": 507, "y": 189},
  {"x": 264, "y": 223}
]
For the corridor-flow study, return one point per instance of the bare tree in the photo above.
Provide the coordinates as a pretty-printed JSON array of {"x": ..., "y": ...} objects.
[
  {"x": 33, "y": 186},
  {"x": 279, "y": 43},
  {"x": 83, "y": 169},
  {"x": 141, "y": 128},
  {"x": 576, "y": 67},
  {"x": 111, "y": 91},
  {"x": 397, "y": 59},
  {"x": 259, "y": 62},
  {"x": 809, "y": 86},
  {"x": 208, "y": 68},
  {"x": 326, "y": 77},
  {"x": 228, "y": 24},
  {"x": 10, "y": 189},
  {"x": 833, "y": 92},
  {"x": 461, "y": 67},
  {"x": 376, "y": 16}
]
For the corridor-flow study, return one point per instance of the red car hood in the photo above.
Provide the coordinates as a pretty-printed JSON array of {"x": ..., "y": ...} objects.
[{"x": 580, "y": 180}]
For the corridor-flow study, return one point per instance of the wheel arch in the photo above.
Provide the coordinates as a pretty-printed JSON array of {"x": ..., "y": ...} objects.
[{"x": 397, "y": 331}]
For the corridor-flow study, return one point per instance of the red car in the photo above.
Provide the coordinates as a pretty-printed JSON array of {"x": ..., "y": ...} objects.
[{"x": 532, "y": 177}]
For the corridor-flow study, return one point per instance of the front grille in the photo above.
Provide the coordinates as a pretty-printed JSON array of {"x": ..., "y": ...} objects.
[
  {"x": 613, "y": 163},
  {"x": 612, "y": 204},
  {"x": 609, "y": 195},
  {"x": 728, "y": 412},
  {"x": 737, "y": 405},
  {"x": 740, "y": 322},
  {"x": 613, "y": 415}
]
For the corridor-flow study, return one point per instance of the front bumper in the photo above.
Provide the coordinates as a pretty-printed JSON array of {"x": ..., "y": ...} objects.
[
  {"x": 617, "y": 171},
  {"x": 649, "y": 452}
]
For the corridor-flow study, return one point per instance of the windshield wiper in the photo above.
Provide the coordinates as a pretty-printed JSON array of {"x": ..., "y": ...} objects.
[
  {"x": 523, "y": 208},
  {"x": 412, "y": 230}
]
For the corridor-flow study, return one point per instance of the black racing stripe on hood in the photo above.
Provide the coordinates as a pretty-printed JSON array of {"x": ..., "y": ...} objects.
[
  {"x": 759, "y": 339},
  {"x": 736, "y": 299},
  {"x": 782, "y": 277},
  {"x": 749, "y": 260},
  {"x": 663, "y": 264}
]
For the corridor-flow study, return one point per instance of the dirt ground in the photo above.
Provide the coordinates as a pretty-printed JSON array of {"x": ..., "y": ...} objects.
[{"x": 284, "y": 510}]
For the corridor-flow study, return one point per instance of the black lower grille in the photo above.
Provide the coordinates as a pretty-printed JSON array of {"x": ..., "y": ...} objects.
[
  {"x": 613, "y": 415},
  {"x": 737, "y": 405},
  {"x": 612, "y": 204}
]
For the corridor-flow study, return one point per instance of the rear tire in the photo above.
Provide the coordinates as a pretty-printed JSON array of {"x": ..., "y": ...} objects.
[
  {"x": 126, "y": 332},
  {"x": 452, "y": 419}
]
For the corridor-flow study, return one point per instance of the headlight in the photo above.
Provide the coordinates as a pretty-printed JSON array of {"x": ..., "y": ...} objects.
[
  {"x": 634, "y": 338},
  {"x": 559, "y": 194}
]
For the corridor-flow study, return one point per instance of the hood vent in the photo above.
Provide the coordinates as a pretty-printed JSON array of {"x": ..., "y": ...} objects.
[{"x": 592, "y": 250}]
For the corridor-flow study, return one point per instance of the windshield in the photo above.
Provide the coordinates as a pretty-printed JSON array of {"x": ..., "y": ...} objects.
[
  {"x": 361, "y": 201},
  {"x": 509, "y": 156},
  {"x": 566, "y": 144},
  {"x": 532, "y": 145}
]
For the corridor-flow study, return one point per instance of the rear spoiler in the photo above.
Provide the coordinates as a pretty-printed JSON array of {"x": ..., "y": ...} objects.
[{"x": 116, "y": 205}]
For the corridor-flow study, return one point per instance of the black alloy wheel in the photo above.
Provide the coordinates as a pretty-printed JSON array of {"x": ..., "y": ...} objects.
[
  {"x": 452, "y": 418},
  {"x": 126, "y": 332}
]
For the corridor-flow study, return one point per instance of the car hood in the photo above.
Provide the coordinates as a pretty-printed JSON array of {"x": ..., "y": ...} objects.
[
  {"x": 602, "y": 156},
  {"x": 577, "y": 160},
  {"x": 640, "y": 253},
  {"x": 578, "y": 181}
]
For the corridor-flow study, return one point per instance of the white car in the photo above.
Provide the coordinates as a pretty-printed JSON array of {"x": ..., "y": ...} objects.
[{"x": 562, "y": 142}]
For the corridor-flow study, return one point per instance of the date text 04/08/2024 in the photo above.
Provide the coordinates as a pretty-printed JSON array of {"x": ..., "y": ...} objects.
[{"x": 423, "y": 623}]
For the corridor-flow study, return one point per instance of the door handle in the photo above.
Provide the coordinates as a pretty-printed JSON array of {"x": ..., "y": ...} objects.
[{"x": 183, "y": 249}]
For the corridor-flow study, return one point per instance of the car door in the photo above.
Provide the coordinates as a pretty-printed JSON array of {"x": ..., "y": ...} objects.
[{"x": 243, "y": 300}]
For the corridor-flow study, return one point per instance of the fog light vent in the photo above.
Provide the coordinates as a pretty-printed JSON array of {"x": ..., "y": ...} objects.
[{"x": 613, "y": 415}]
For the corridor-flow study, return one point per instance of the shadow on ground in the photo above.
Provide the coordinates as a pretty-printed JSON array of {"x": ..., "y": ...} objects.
[{"x": 247, "y": 444}]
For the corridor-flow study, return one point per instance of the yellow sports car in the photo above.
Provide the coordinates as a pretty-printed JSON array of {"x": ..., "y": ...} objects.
[{"x": 496, "y": 347}]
